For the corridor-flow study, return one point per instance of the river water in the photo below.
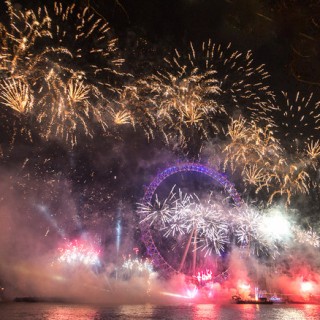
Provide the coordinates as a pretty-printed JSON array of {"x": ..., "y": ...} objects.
[{"x": 53, "y": 311}]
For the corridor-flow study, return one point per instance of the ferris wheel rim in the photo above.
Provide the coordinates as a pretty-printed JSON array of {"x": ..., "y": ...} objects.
[{"x": 152, "y": 250}]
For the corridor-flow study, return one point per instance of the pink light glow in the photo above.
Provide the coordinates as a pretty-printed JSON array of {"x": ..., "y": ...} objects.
[
  {"x": 191, "y": 293},
  {"x": 204, "y": 276},
  {"x": 79, "y": 252}
]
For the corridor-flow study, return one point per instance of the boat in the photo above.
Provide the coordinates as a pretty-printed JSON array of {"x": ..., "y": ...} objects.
[
  {"x": 41, "y": 299},
  {"x": 239, "y": 300}
]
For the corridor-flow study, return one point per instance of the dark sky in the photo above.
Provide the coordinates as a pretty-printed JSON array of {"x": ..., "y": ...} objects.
[{"x": 283, "y": 34}]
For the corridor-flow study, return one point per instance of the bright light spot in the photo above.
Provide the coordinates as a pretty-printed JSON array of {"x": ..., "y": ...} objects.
[
  {"x": 276, "y": 226},
  {"x": 191, "y": 293},
  {"x": 306, "y": 286},
  {"x": 244, "y": 286}
]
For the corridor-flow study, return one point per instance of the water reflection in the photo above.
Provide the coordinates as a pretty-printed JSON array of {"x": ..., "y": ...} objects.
[
  {"x": 70, "y": 313},
  {"x": 206, "y": 311},
  {"x": 300, "y": 312},
  {"x": 42, "y": 311},
  {"x": 136, "y": 311}
]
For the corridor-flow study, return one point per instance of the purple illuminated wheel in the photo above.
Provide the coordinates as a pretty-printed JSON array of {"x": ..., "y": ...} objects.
[{"x": 147, "y": 234}]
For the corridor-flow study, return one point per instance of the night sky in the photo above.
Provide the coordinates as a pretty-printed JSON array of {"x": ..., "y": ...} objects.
[{"x": 282, "y": 34}]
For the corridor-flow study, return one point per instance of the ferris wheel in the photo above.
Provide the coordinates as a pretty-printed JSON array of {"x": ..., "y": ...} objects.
[{"x": 178, "y": 252}]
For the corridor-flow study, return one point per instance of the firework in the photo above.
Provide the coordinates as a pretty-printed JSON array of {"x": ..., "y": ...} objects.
[
  {"x": 296, "y": 121},
  {"x": 184, "y": 214},
  {"x": 121, "y": 117},
  {"x": 16, "y": 95},
  {"x": 312, "y": 152},
  {"x": 253, "y": 175},
  {"x": 82, "y": 39},
  {"x": 158, "y": 211},
  {"x": 263, "y": 162},
  {"x": 137, "y": 265},
  {"x": 307, "y": 286},
  {"x": 250, "y": 144},
  {"x": 249, "y": 232},
  {"x": 73, "y": 97},
  {"x": 184, "y": 97},
  {"x": 127, "y": 108},
  {"x": 210, "y": 226},
  {"x": 136, "y": 268},
  {"x": 71, "y": 112},
  {"x": 20, "y": 58},
  {"x": 195, "y": 92},
  {"x": 306, "y": 236},
  {"x": 291, "y": 180},
  {"x": 67, "y": 58},
  {"x": 79, "y": 252}
]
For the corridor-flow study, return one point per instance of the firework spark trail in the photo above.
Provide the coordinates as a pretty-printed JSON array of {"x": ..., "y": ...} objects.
[
  {"x": 163, "y": 210},
  {"x": 76, "y": 85},
  {"x": 312, "y": 152},
  {"x": 248, "y": 229},
  {"x": 250, "y": 144},
  {"x": 182, "y": 214},
  {"x": 20, "y": 61},
  {"x": 70, "y": 113},
  {"x": 68, "y": 59},
  {"x": 240, "y": 81},
  {"x": 264, "y": 163},
  {"x": 121, "y": 117},
  {"x": 209, "y": 225},
  {"x": 290, "y": 180},
  {"x": 128, "y": 109},
  {"x": 16, "y": 95},
  {"x": 193, "y": 93},
  {"x": 296, "y": 121},
  {"x": 212, "y": 226},
  {"x": 75, "y": 29},
  {"x": 19, "y": 57},
  {"x": 307, "y": 236},
  {"x": 213, "y": 229},
  {"x": 136, "y": 265},
  {"x": 205, "y": 221}
]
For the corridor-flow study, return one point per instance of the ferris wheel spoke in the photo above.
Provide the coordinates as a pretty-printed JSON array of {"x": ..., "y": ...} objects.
[{"x": 183, "y": 260}]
